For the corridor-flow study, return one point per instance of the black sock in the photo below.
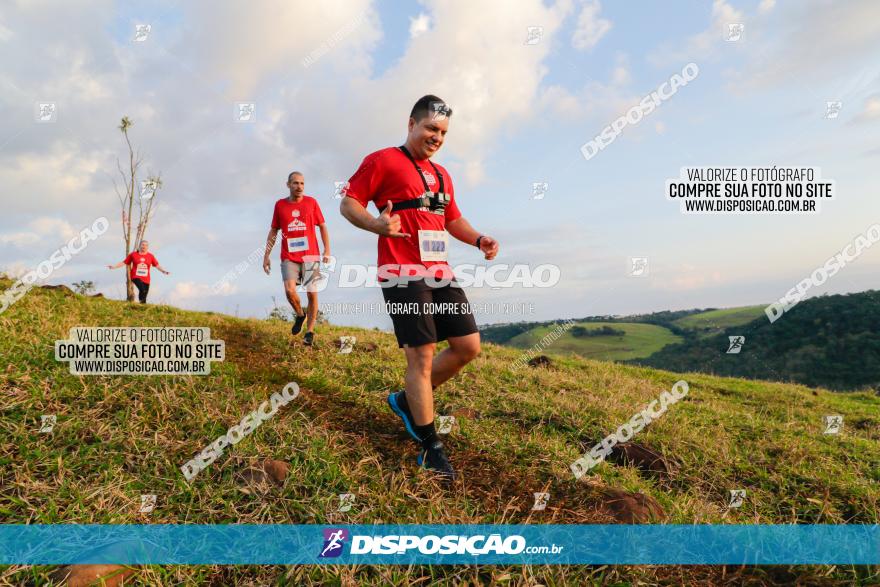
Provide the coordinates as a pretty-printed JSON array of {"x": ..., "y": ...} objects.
[
  {"x": 401, "y": 401},
  {"x": 427, "y": 433}
]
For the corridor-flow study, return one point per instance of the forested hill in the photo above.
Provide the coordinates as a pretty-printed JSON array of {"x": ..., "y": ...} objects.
[{"x": 828, "y": 341}]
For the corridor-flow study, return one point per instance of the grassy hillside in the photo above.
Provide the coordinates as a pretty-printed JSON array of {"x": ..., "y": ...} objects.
[
  {"x": 640, "y": 340},
  {"x": 715, "y": 321},
  {"x": 119, "y": 437}
]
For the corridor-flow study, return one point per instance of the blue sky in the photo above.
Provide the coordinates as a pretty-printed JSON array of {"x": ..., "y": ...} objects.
[{"x": 521, "y": 114}]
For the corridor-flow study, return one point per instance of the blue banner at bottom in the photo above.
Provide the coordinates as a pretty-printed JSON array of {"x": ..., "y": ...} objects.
[{"x": 232, "y": 544}]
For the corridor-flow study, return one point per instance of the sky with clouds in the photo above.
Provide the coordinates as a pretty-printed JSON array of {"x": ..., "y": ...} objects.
[{"x": 334, "y": 81}]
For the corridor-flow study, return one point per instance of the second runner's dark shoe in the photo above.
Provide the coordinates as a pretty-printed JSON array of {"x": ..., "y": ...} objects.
[
  {"x": 298, "y": 325},
  {"x": 403, "y": 413},
  {"x": 434, "y": 459}
]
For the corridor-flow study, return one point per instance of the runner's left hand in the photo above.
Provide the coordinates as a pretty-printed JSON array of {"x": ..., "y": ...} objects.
[{"x": 489, "y": 246}]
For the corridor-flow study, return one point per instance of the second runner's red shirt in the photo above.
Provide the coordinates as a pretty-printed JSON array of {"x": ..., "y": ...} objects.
[
  {"x": 297, "y": 222},
  {"x": 389, "y": 176}
]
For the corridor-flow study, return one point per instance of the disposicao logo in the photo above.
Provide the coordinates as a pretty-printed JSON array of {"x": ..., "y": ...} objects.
[
  {"x": 477, "y": 545},
  {"x": 334, "y": 540}
]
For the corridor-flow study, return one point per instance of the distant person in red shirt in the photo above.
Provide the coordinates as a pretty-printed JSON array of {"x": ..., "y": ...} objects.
[
  {"x": 140, "y": 262},
  {"x": 413, "y": 246},
  {"x": 297, "y": 216}
]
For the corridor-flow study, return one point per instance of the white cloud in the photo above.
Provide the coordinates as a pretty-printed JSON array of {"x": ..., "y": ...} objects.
[
  {"x": 229, "y": 52},
  {"x": 20, "y": 239},
  {"x": 254, "y": 44},
  {"x": 61, "y": 176},
  {"x": 58, "y": 227},
  {"x": 5, "y": 33},
  {"x": 190, "y": 290},
  {"x": 602, "y": 101},
  {"x": 766, "y": 6},
  {"x": 621, "y": 75},
  {"x": 686, "y": 278},
  {"x": 489, "y": 77},
  {"x": 562, "y": 102},
  {"x": 223, "y": 289},
  {"x": 15, "y": 269},
  {"x": 590, "y": 26},
  {"x": 871, "y": 110},
  {"x": 800, "y": 42},
  {"x": 42, "y": 229},
  {"x": 418, "y": 25},
  {"x": 703, "y": 45}
]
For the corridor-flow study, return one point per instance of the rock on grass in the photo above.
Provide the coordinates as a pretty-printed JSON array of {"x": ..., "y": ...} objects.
[
  {"x": 85, "y": 575},
  {"x": 629, "y": 507},
  {"x": 644, "y": 458},
  {"x": 64, "y": 289},
  {"x": 270, "y": 470},
  {"x": 277, "y": 470},
  {"x": 465, "y": 414},
  {"x": 540, "y": 361}
]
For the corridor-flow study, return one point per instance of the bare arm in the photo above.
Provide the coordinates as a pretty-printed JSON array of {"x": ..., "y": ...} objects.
[
  {"x": 325, "y": 239},
  {"x": 270, "y": 244},
  {"x": 461, "y": 229},
  {"x": 385, "y": 224},
  {"x": 355, "y": 213},
  {"x": 117, "y": 266},
  {"x": 162, "y": 269},
  {"x": 270, "y": 240}
]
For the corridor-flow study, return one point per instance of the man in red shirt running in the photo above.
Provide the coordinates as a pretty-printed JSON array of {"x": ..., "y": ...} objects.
[
  {"x": 141, "y": 262},
  {"x": 424, "y": 301},
  {"x": 297, "y": 216}
]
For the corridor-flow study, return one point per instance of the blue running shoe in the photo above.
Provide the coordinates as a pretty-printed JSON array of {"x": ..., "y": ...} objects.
[{"x": 404, "y": 415}]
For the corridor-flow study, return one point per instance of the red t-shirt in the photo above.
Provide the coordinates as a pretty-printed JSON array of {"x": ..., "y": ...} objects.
[
  {"x": 140, "y": 264},
  {"x": 297, "y": 222},
  {"x": 389, "y": 176}
]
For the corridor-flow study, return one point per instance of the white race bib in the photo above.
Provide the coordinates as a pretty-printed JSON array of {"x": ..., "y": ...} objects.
[
  {"x": 433, "y": 245},
  {"x": 141, "y": 270},
  {"x": 297, "y": 244}
]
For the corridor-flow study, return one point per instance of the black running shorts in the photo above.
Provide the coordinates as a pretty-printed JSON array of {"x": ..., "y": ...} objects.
[{"x": 423, "y": 314}]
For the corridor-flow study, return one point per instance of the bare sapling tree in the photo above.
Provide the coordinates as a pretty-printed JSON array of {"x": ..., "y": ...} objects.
[{"x": 129, "y": 191}]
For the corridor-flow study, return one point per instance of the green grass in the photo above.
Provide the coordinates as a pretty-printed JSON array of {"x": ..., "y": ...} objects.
[
  {"x": 640, "y": 340},
  {"x": 119, "y": 437},
  {"x": 715, "y": 321}
]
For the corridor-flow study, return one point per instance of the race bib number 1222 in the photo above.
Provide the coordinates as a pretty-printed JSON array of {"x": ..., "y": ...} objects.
[{"x": 433, "y": 245}]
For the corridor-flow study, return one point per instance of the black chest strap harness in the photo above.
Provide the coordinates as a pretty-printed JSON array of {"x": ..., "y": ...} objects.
[{"x": 435, "y": 202}]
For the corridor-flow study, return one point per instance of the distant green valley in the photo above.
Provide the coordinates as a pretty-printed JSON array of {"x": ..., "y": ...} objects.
[{"x": 827, "y": 341}]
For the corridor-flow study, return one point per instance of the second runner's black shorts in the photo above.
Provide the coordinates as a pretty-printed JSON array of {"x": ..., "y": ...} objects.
[{"x": 423, "y": 314}]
